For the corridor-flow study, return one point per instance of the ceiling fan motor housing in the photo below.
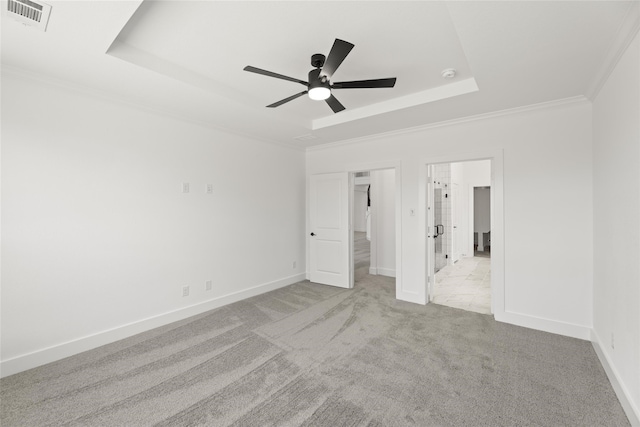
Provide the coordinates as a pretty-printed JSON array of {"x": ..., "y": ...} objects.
[
  {"x": 317, "y": 60},
  {"x": 316, "y": 81}
]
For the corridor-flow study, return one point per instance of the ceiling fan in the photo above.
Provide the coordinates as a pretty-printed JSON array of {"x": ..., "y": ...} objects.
[{"x": 319, "y": 85}]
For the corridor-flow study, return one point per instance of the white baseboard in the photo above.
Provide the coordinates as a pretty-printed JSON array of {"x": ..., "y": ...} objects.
[
  {"x": 580, "y": 332},
  {"x": 622, "y": 392},
  {"x": 389, "y": 272},
  {"x": 546, "y": 325},
  {"x": 60, "y": 351}
]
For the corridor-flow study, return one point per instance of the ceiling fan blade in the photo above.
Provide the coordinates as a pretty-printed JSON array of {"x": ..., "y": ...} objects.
[
  {"x": 272, "y": 74},
  {"x": 339, "y": 51},
  {"x": 365, "y": 84},
  {"x": 334, "y": 104},
  {"x": 284, "y": 101}
]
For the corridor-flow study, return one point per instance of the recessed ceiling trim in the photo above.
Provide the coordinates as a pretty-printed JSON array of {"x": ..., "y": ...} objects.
[
  {"x": 430, "y": 95},
  {"x": 133, "y": 55},
  {"x": 558, "y": 103}
]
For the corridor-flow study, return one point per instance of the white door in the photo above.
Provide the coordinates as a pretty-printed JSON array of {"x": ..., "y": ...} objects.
[
  {"x": 431, "y": 245},
  {"x": 329, "y": 230}
]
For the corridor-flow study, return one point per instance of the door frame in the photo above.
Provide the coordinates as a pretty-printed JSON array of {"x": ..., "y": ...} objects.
[
  {"x": 456, "y": 237},
  {"x": 360, "y": 167},
  {"x": 429, "y": 216},
  {"x": 496, "y": 157},
  {"x": 374, "y": 222}
]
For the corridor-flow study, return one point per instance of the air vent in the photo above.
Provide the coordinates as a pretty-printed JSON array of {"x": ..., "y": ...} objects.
[
  {"x": 29, "y": 13},
  {"x": 306, "y": 137},
  {"x": 362, "y": 174}
]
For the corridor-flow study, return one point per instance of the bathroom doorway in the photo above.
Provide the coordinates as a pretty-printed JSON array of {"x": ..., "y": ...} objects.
[{"x": 460, "y": 278}]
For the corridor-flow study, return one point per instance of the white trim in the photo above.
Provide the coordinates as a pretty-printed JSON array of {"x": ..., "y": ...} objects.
[
  {"x": 351, "y": 214},
  {"x": 622, "y": 40},
  {"x": 389, "y": 272},
  {"x": 379, "y": 271},
  {"x": 457, "y": 88},
  {"x": 541, "y": 324},
  {"x": 60, "y": 351},
  {"x": 622, "y": 392},
  {"x": 509, "y": 111},
  {"x": 373, "y": 226},
  {"x": 401, "y": 294},
  {"x": 410, "y": 296},
  {"x": 497, "y": 220}
]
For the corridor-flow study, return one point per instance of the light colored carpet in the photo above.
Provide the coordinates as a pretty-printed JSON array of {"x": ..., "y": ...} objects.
[
  {"x": 313, "y": 355},
  {"x": 361, "y": 251}
]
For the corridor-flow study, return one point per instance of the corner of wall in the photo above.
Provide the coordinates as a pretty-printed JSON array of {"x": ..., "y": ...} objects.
[
  {"x": 630, "y": 409},
  {"x": 623, "y": 39}
]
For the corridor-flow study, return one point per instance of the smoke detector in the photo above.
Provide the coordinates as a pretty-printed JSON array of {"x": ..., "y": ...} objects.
[
  {"x": 29, "y": 13},
  {"x": 449, "y": 73}
]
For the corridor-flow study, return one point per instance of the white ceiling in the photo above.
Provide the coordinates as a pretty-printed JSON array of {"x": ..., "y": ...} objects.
[{"x": 185, "y": 58}]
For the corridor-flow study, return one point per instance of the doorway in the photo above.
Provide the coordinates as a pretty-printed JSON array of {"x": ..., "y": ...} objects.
[
  {"x": 374, "y": 224},
  {"x": 361, "y": 224},
  {"x": 457, "y": 215}
]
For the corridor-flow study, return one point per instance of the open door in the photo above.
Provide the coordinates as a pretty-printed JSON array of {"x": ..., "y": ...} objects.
[
  {"x": 329, "y": 230},
  {"x": 431, "y": 247}
]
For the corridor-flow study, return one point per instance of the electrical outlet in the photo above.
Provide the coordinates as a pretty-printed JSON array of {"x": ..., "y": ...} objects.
[
  {"x": 294, "y": 264},
  {"x": 208, "y": 285},
  {"x": 613, "y": 346},
  {"x": 209, "y": 189},
  {"x": 185, "y": 187},
  {"x": 185, "y": 291}
]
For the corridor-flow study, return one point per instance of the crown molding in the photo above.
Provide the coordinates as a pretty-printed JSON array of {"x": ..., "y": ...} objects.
[
  {"x": 575, "y": 100},
  {"x": 450, "y": 90},
  {"x": 625, "y": 35}
]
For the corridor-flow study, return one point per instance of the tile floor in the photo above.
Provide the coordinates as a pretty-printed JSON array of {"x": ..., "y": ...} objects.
[{"x": 465, "y": 285}]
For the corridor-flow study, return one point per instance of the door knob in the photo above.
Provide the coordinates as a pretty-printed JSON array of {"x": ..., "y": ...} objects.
[{"x": 313, "y": 234}]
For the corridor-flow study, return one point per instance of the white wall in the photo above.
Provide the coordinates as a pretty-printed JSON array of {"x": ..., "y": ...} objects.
[
  {"x": 360, "y": 208},
  {"x": 383, "y": 255},
  {"x": 481, "y": 214},
  {"x": 546, "y": 151},
  {"x": 98, "y": 237},
  {"x": 477, "y": 174},
  {"x": 616, "y": 301}
]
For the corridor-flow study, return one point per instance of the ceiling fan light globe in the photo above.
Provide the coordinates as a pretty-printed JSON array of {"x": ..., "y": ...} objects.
[{"x": 319, "y": 93}]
